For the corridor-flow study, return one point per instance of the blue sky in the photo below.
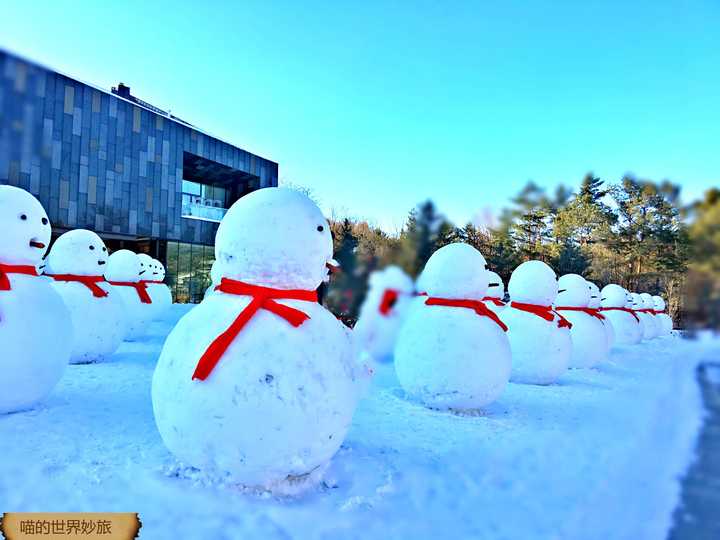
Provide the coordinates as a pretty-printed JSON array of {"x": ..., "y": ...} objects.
[{"x": 377, "y": 106}]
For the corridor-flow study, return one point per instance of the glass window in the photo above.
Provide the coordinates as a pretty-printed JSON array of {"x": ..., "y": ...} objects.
[
  {"x": 184, "y": 273},
  {"x": 192, "y": 188},
  {"x": 172, "y": 267}
]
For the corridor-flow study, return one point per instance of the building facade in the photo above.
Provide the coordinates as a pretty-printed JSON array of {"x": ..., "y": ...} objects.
[{"x": 140, "y": 177}]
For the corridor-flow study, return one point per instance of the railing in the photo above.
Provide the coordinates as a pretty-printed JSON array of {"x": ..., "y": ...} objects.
[{"x": 204, "y": 209}]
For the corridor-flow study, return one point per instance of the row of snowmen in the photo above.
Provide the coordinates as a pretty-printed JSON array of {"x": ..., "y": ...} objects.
[
  {"x": 258, "y": 383},
  {"x": 72, "y": 305}
]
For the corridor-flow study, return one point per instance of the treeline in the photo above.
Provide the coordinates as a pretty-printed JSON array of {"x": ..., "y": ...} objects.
[{"x": 635, "y": 233}]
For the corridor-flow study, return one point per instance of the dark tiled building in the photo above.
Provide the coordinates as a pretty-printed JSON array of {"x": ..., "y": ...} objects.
[{"x": 140, "y": 177}]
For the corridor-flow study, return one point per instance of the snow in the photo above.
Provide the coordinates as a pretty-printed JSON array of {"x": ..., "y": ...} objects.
[{"x": 596, "y": 456}]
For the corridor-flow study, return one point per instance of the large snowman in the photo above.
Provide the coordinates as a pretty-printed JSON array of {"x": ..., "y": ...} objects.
[
  {"x": 76, "y": 263},
  {"x": 35, "y": 327},
  {"x": 123, "y": 273},
  {"x": 383, "y": 312},
  {"x": 625, "y": 322},
  {"x": 666, "y": 322},
  {"x": 649, "y": 309},
  {"x": 590, "y": 345},
  {"x": 638, "y": 306},
  {"x": 539, "y": 336},
  {"x": 595, "y": 305},
  {"x": 257, "y": 383},
  {"x": 495, "y": 292},
  {"x": 452, "y": 351}
]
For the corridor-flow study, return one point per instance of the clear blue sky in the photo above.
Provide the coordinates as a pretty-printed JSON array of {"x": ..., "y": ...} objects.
[{"x": 379, "y": 105}]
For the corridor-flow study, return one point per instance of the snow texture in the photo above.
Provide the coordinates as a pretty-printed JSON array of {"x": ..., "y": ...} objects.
[{"x": 596, "y": 456}]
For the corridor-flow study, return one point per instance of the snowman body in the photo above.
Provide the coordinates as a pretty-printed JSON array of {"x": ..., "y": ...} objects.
[
  {"x": 596, "y": 304},
  {"x": 452, "y": 357},
  {"x": 152, "y": 273},
  {"x": 278, "y": 397},
  {"x": 646, "y": 322},
  {"x": 665, "y": 321},
  {"x": 99, "y": 322},
  {"x": 35, "y": 326},
  {"x": 541, "y": 348},
  {"x": 649, "y": 307},
  {"x": 383, "y": 313},
  {"x": 122, "y": 271},
  {"x": 589, "y": 338},
  {"x": 626, "y": 326}
]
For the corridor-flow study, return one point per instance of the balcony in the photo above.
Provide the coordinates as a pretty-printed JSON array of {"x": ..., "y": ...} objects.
[{"x": 203, "y": 209}]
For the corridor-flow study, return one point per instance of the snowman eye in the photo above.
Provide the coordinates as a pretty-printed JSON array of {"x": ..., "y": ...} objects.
[
  {"x": 44, "y": 221},
  {"x": 23, "y": 217},
  {"x": 92, "y": 248},
  {"x": 104, "y": 248},
  {"x": 320, "y": 228}
]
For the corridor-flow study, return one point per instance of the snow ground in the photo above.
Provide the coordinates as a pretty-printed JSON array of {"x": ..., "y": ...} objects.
[{"x": 598, "y": 455}]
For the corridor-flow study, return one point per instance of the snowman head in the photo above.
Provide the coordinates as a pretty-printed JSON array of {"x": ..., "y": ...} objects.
[
  {"x": 146, "y": 267},
  {"x": 496, "y": 287},
  {"x": 456, "y": 271},
  {"x": 573, "y": 291},
  {"x": 275, "y": 237},
  {"x": 594, "y": 295},
  {"x": 636, "y": 301},
  {"x": 158, "y": 271},
  {"x": 24, "y": 227},
  {"x": 659, "y": 303},
  {"x": 613, "y": 296},
  {"x": 629, "y": 301},
  {"x": 533, "y": 282},
  {"x": 123, "y": 265},
  {"x": 391, "y": 277},
  {"x": 78, "y": 252},
  {"x": 647, "y": 301}
]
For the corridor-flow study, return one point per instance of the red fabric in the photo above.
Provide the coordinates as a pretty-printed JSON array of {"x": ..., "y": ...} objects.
[
  {"x": 91, "y": 282},
  {"x": 388, "y": 300},
  {"x": 476, "y": 305},
  {"x": 496, "y": 301},
  {"x": 153, "y": 282},
  {"x": 262, "y": 298},
  {"x": 140, "y": 287},
  {"x": 626, "y": 310},
  {"x": 590, "y": 311},
  {"x": 545, "y": 312},
  {"x": 6, "y": 269},
  {"x": 646, "y": 310}
]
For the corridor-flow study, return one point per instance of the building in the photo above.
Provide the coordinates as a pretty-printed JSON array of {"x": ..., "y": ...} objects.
[{"x": 140, "y": 177}]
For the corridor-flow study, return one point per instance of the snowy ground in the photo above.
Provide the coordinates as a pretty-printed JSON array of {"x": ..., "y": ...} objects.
[{"x": 596, "y": 456}]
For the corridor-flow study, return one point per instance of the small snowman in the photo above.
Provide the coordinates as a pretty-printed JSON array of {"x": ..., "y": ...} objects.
[
  {"x": 452, "y": 351},
  {"x": 539, "y": 336},
  {"x": 257, "y": 384},
  {"x": 35, "y": 327},
  {"x": 649, "y": 308},
  {"x": 123, "y": 273},
  {"x": 666, "y": 322},
  {"x": 495, "y": 292},
  {"x": 590, "y": 346},
  {"x": 152, "y": 277},
  {"x": 389, "y": 296},
  {"x": 595, "y": 305},
  {"x": 76, "y": 264},
  {"x": 625, "y": 322},
  {"x": 638, "y": 306}
]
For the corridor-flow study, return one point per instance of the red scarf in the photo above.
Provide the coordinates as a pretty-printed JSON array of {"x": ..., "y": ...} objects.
[
  {"x": 140, "y": 287},
  {"x": 496, "y": 301},
  {"x": 6, "y": 269},
  {"x": 262, "y": 298},
  {"x": 626, "y": 310},
  {"x": 646, "y": 310},
  {"x": 590, "y": 311},
  {"x": 91, "y": 282},
  {"x": 388, "y": 300},
  {"x": 544, "y": 312},
  {"x": 153, "y": 282},
  {"x": 476, "y": 305}
]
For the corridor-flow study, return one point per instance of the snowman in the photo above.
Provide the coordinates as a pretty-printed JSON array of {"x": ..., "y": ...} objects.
[
  {"x": 257, "y": 383},
  {"x": 152, "y": 277},
  {"x": 123, "y": 273},
  {"x": 495, "y": 292},
  {"x": 539, "y": 336},
  {"x": 590, "y": 346},
  {"x": 452, "y": 351},
  {"x": 35, "y": 327},
  {"x": 666, "y": 322},
  {"x": 389, "y": 296},
  {"x": 595, "y": 305},
  {"x": 649, "y": 308},
  {"x": 625, "y": 322},
  {"x": 76, "y": 264},
  {"x": 638, "y": 306}
]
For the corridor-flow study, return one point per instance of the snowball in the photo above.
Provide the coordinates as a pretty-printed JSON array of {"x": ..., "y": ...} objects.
[
  {"x": 533, "y": 282},
  {"x": 455, "y": 271}
]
